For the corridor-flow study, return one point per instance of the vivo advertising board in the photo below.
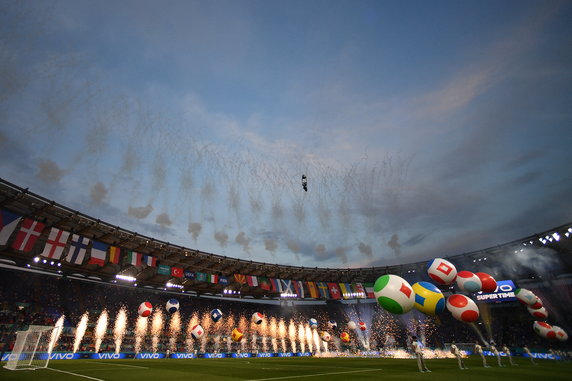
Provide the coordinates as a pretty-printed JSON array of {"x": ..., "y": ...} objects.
[{"x": 503, "y": 293}]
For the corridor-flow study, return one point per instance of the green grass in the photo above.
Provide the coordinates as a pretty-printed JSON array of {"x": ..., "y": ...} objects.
[{"x": 331, "y": 369}]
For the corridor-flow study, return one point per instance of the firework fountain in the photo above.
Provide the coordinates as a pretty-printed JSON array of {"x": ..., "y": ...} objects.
[
  {"x": 292, "y": 335},
  {"x": 100, "y": 329},
  {"x": 264, "y": 333},
  {"x": 140, "y": 332},
  {"x": 243, "y": 326},
  {"x": 80, "y": 331},
  {"x": 230, "y": 325},
  {"x": 302, "y": 337},
  {"x": 156, "y": 329},
  {"x": 273, "y": 329},
  {"x": 120, "y": 328},
  {"x": 282, "y": 334},
  {"x": 56, "y": 333},
  {"x": 206, "y": 324},
  {"x": 174, "y": 330},
  {"x": 194, "y": 320}
]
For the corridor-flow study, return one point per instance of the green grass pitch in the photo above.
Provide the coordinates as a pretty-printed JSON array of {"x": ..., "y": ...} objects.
[{"x": 331, "y": 369}]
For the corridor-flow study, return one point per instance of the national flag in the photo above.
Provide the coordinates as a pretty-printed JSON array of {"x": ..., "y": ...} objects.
[
  {"x": 298, "y": 288},
  {"x": 133, "y": 258},
  {"x": 276, "y": 285},
  {"x": 287, "y": 287},
  {"x": 335, "y": 292},
  {"x": 369, "y": 290},
  {"x": 264, "y": 283},
  {"x": 201, "y": 277},
  {"x": 189, "y": 274},
  {"x": 252, "y": 280},
  {"x": 223, "y": 280},
  {"x": 239, "y": 278},
  {"x": 77, "y": 249},
  {"x": 28, "y": 234},
  {"x": 8, "y": 223},
  {"x": 347, "y": 291},
  {"x": 323, "y": 290},
  {"x": 177, "y": 272},
  {"x": 164, "y": 270},
  {"x": 114, "y": 254},
  {"x": 213, "y": 278},
  {"x": 312, "y": 289},
  {"x": 55, "y": 244},
  {"x": 358, "y": 289},
  {"x": 98, "y": 253},
  {"x": 150, "y": 260}
]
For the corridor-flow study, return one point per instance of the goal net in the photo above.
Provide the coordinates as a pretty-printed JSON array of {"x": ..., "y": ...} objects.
[{"x": 33, "y": 348}]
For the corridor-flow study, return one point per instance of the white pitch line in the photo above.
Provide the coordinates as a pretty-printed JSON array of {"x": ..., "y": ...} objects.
[
  {"x": 313, "y": 375},
  {"x": 76, "y": 374},
  {"x": 129, "y": 366}
]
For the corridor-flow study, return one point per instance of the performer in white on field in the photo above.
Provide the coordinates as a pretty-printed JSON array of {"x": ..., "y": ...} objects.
[
  {"x": 497, "y": 354},
  {"x": 506, "y": 350},
  {"x": 416, "y": 348},
  {"x": 527, "y": 351},
  {"x": 455, "y": 350},
  {"x": 479, "y": 351}
]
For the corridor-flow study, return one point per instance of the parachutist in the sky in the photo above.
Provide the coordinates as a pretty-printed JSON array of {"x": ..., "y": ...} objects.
[{"x": 304, "y": 183}]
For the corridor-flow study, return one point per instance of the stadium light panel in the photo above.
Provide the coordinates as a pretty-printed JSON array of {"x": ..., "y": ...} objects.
[
  {"x": 556, "y": 236},
  {"x": 126, "y": 277}
]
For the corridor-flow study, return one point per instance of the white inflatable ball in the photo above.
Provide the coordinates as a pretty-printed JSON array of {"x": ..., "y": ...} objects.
[
  {"x": 332, "y": 325},
  {"x": 257, "y": 318},
  {"x": 462, "y": 308},
  {"x": 145, "y": 309},
  {"x": 172, "y": 306},
  {"x": 313, "y": 323},
  {"x": 197, "y": 332},
  {"x": 394, "y": 294},
  {"x": 362, "y": 326},
  {"x": 468, "y": 281},
  {"x": 525, "y": 296},
  {"x": 325, "y": 336},
  {"x": 543, "y": 329},
  {"x": 352, "y": 325},
  {"x": 441, "y": 271},
  {"x": 539, "y": 313}
]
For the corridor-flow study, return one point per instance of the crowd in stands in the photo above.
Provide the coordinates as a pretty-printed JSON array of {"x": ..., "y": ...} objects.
[{"x": 29, "y": 298}]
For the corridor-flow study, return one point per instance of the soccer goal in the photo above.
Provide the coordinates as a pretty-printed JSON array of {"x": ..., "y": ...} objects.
[{"x": 33, "y": 348}]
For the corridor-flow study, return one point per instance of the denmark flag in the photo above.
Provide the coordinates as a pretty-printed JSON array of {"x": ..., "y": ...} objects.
[{"x": 28, "y": 234}]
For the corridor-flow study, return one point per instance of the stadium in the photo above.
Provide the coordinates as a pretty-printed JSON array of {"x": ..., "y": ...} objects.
[{"x": 315, "y": 190}]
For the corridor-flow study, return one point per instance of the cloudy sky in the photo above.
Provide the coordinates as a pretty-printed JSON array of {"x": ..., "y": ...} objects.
[{"x": 424, "y": 128}]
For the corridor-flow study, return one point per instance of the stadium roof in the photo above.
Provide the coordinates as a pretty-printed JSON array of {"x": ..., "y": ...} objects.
[{"x": 28, "y": 204}]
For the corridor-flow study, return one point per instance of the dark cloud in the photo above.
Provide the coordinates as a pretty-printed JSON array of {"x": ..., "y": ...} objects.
[
  {"x": 416, "y": 239},
  {"x": 524, "y": 159}
]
